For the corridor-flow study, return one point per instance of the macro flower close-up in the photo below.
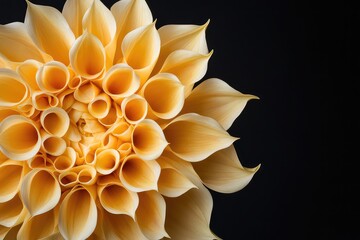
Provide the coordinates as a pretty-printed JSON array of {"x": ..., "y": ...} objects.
[{"x": 108, "y": 129}]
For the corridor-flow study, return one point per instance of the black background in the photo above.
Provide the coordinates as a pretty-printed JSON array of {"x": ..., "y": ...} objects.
[{"x": 302, "y": 59}]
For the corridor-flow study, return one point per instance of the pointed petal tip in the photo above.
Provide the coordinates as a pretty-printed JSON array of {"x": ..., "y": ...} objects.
[{"x": 254, "y": 169}]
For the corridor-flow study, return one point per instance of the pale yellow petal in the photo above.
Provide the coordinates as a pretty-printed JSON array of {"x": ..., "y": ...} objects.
[
  {"x": 86, "y": 93},
  {"x": 138, "y": 175},
  {"x": 129, "y": 15},
  {"x": 11, "y": 173},
  {"x": 17, "y": 46},
  {"x": 19, "y": 138},
  {"x": 66, "y": 161},
  {"x": 27, "y": 70},
  {"x": 216, "y": 99},
  {"x": 99, "y": 21},
  {"x": 148, "y": 139},
  {"x": 194, "y": 137},
  {"x": 141, "y": 48},
  {"x": 165, "y": 95},
  {"x": 84, "y": 214},
  {"x": 11, "y": 211},
  {"x": 86, "y": 174},
  {"x": 53, "y": 77},
  {"x": 42, "y": 100},
  {"x": 74, "y": 11},
  {"x": 107, "y": 161},
  {"x": 122, "y": 130},
  {"x": 134, "y": 108},
  {"x": 113, "y": 115},
  {"x": 222, "y": 171},
  {"x": 52, "y": 145},
  {"x": 40, "y": 191},
  {"x": 50, "y": 31},
  {"x": 88, "y": 57},
  {"x": 100, "y": 106},
  {"x": 55, "y": 121},
  {"x": 13, "y": 90}
]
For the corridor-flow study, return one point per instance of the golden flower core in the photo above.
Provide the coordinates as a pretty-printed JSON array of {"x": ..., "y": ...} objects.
[{"x": 103, "y": 134}]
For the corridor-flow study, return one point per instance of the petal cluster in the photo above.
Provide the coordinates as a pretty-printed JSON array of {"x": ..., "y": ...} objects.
[{"x": 104, "y": 131}]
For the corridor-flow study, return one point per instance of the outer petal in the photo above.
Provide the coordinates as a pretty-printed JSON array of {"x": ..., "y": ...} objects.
[
  {"x": 50, "y": 31},
  {"x": 17, "y": 46},
  {"x": 73, "y": 12},
  {"x": 12, "y": 212},
  {"x": 129, "y": 15},
  {"x": 222, "y": 171},
  {"x": 11, "y": 173},
  {"x": 216, "y": 99},
  {"x": 193, "y": 137},
  {"x": 13, "y": 89},
  {"x": 150, "y": 215}
]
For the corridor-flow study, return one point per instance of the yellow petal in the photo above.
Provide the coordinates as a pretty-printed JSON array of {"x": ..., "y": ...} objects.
[
  {"x": 11, "y": 173},
  {"x": 107, "y": 161},
  {"x": 55, "y": 121},
  {"x": 122, "y": 131},
  {"x": 150, "y": 215},
  {"x": 17, "y": 46},
  {"x": 53, "y": 77},
  {"x": 42, "y": 100},
  {"x": 19, "y": 138},
  {"x": 12, "y": 232},
  {"x": 3, "y": 231},
  {"x": 87, "y": 56},
  {"x": 99, "y": 21},
  {"x": 134, "y": 109},
  {"x": 121, "y": 226},
  {"x": 66, "y": 161},
  {"x": 216, "y": 99},
  {"x": 141, "y": 48},
  {"x": 100, "y": 106},
  {"x": 193, "y": 137},
  {"x": 52, "y": 145},
  {"x": 86, "y": 174},
  {"x": 114, "y": 114},
  {"x": 86, "y": 93},
  {"x": 138, "y": 175},
  {"x": 11, "y": 211},
  {"x": 50, "y": 31},
  {"x": 129, "y": 15},
  {"x": 40, "y": 191},
  {"x": 5, "y": 112},
  {"x": 74, "y": 11},
  {"x": 165, "y": 95},
  {"x": 27, "y": 70},
  {"x": 148, "y": 140},
  {"x": 13, "y": 90},
  {"x": 116, "y": 199},
  {"x": 222, "y": 171},
  {"x": 77, "y": 221}
]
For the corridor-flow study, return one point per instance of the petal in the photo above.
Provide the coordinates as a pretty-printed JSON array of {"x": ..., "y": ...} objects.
[
  {"x": 193, "y": 137},
  {"x": 42, "y": 100},
  {"x": 5, "y": 112},
  {"x": 66, "y": 161},
  {"x": 11, "y": 212},
  {"x": 17, "y": 46},
  {"x": 106, "y": 161},
  {"x": 150, "y": 215},
  {"x": 165, "y": 95},
  {"x": 129, "y": 15},
  {"x": 52, "y": 145},
  {"x": 3, "y": 231},
  {"x": 141, "y": 48},
  {"x": 77, "y": 221},
  {"x": 11, "y": 173},
  {"x": 134, "y": 108},
  {"x": 99, "y": 21},
  {"x": 12, "y": 232},
  {"x": 53, "y": 77},
  {"x": 19, "y": 138},
  {"x": 55, "y": 121},
  {"x": 74, "y": 11},
  {"x": 13, "y": 90},
  {"x": 100, "y": 106},
  {"x": 216, "y": 99},
  {"x": 40, "y": 191},
  {"x": 27, "y": 70},
  {"x": 86, "y": 93},
  {"x": 50, "y": 31},
  {"x": 222, "y": 171}
]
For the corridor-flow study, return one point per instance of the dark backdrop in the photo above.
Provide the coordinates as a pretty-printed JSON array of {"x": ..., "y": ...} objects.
[{"x": 302, "y": 59}]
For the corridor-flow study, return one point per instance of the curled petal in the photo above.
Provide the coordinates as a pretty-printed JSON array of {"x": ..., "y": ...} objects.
[
  {"x": 120, "y": 81},
  {"x": 42, "y": 100},
  {"x": 107, "y": 161},
  {"x": 125, "y": 149},
  {"x": 53, "y": 77},
  {"x": 19, "y": 138},
  {"x": 86, "y": 93},
  {"x": 11, "y": 173},
  {"x": 150, "y": 215},
  {"x": 5, "y": 112},
  {"x": 148, "y": 140},
  {"x": 40, "y": 191},
  {"x": 50, "y": 31},
  {"x": 27, "y": 70},
  {"x": 11, "y": 212},
  {"x": 165, "y": 95},
  {"x": 138, "y": 175},
  {"x": 86, "y": 174},
  {"x": 100, "y": 106},
  {"x": 66, "y": 161},
  {"x": 84, "y": 214},
  {"x": 55, "y": 121},
  {"x": 17, "y": 46},
  {"x": 52, "y": 145},
  {"x": 87, "y": 56},
  {"x": 122, "y": 131},
  {"x": 73, "y": 134},
  {"x": 193, "y": 137},
  {"x": 141, "y": 48},
  {"x": 222, "y": 171},
  {"x": 74, "y": 11},
  {"x": 116, "y": 199},
  {"x": 134, "y": 109},
  {"x": 40, "y": 160},
  {"x": 99, "y": 21},
  {"x": 113, "y": 115},
  {"x": 216, "y": 99},
  {"x": 67, "y": 179},
  {"x": 13, "y": 90}
]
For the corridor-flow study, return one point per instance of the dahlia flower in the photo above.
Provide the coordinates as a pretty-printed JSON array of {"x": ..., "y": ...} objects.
[{"x": 104, "y": 133}]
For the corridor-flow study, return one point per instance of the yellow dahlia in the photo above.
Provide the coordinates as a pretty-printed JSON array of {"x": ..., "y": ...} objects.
[{"x": 103, "y": 132}]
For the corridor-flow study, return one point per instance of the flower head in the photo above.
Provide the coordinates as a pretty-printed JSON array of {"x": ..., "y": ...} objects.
[{"x": 103, "y": 133}]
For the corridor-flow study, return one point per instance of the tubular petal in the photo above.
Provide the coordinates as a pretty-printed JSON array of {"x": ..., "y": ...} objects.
[
  {"x": 107, "y": 161},
  {"x": 193, "y": 137},
  {"x": 42, "y": 100},
  {"x": 27, "y": 70},
  {"x": 100, "y": 106},
  {"x": 216, "y": 99},
  {"x": 86, "y": 93},
  {"x": 122, "y": 131},
  {"x": 55, "y": 121},
  {"x": 19, "y": 138},
  {"x": 13, "y": 90},
  {"x": 53, "y": 77},
  {"x": 222, "y": 171},
  {"x": 5, "y": 112},
  {"x": 74, "y": 11},
  {"x": 50, "y": 31},
  {"x": 66, "y": 161},
  {"x": 53, "y": 145},
  {"x": 134, "y": 109},
  {"x": 148, "y": 140},
  {"x": 40, "y": 191},
  {"x": 11, "y": 211},
  {"x": 165, "y": 95},
  {"x": 11, "y": 173},
  {"x": 84, "y": 214}
]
